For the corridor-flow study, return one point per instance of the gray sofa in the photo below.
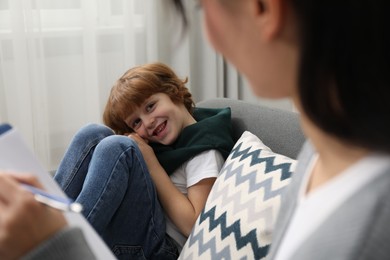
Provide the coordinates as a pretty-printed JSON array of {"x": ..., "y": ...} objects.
[{"x": 280, "y": 130}]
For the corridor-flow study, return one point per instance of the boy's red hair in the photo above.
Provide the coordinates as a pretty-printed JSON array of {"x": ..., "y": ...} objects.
[{"x": 138, "y": 84}]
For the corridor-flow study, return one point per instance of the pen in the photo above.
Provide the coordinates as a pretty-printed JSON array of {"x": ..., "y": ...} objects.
[{"x": 54, "y": 201}]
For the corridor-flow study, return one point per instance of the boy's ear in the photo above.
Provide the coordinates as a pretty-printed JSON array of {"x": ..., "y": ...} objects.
[{"x": 269, "y": 17}]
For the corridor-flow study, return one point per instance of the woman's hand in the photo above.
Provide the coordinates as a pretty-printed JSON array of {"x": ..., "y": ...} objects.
[{"x": 24, "y": 222}]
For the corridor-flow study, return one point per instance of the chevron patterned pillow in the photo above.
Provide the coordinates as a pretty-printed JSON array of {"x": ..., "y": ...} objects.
[{"x": 240, "y": 212}]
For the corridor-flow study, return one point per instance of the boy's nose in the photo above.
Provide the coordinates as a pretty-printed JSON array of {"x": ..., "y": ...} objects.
[{"x": 150, "y": 122}]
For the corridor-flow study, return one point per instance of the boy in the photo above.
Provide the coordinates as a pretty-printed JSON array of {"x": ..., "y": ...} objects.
[{"x": 143, "y": 188}]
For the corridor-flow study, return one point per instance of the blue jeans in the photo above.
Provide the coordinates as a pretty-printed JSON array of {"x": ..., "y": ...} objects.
[{"x": 107, "y": 174}]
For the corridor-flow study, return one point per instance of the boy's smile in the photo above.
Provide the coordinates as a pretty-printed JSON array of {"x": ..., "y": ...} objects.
[
  {"x": 159, "y": 120},
  {"x": 159, "y": 129}
]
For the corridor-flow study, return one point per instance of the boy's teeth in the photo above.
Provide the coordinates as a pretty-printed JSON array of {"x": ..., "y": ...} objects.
[{"x": 159, "y": 129}]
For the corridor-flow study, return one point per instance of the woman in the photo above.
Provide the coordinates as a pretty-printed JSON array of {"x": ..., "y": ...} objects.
[{"x": 332, "y": 59}]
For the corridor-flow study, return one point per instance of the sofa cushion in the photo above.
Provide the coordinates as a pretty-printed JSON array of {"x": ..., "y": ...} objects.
[{"x": 240, "y": 212}]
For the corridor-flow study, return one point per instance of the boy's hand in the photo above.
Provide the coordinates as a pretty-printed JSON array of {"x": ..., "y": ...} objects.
[
  {"x": 143, "y": 145},
  {"x": 24, "y": 222}
]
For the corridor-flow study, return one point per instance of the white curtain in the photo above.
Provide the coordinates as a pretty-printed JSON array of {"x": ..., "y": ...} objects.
[{"x": 59, "y": 59}]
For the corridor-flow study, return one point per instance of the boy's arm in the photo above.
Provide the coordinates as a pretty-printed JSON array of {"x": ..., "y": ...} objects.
[{"x": 182, "y": 210}]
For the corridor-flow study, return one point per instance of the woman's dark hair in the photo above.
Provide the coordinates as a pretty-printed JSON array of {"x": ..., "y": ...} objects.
[{"x": 344, "y": 74}]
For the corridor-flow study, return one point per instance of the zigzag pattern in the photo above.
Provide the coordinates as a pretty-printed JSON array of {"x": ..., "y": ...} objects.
[
  {"x": 234, "y": 229},
  {"x": 210, "y": 245},
  {"x": 221, "y": 192},
  {"x": 251, "y": 178},
  {"x": 255, "y": 159},
  {"x": 240, "y": 208}
]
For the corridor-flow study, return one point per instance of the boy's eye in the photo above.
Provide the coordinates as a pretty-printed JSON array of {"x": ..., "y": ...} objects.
[
  {"x": 136, "y": 123},
  {"x": 149, "y": 107}
]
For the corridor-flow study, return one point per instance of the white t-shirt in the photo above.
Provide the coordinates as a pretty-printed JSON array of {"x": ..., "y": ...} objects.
[
  {"x": 204, "y": 165},
  {"x": 314, "y": 208}
]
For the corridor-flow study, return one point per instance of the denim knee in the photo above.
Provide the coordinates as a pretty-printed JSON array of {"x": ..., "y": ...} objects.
[
  {"x": 116, "y": 145},
  {"x": 95, "y": 131}
]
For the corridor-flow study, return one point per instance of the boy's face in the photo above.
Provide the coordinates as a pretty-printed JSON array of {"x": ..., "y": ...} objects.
[{"x": 159, "y": 120}]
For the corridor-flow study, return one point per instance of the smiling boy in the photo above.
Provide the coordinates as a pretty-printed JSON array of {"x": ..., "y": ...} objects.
[{"x": 143, "y": 187}]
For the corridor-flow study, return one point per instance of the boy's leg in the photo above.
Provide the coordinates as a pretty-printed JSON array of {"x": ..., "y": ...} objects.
[
  {"x": 120, "y": 201},
  {"x": 73, "y": 168}
]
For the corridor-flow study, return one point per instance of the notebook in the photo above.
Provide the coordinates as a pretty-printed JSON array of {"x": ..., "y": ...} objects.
[{"x": 16, "y": 156}]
